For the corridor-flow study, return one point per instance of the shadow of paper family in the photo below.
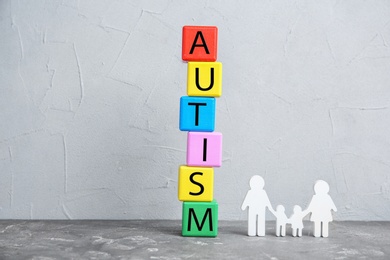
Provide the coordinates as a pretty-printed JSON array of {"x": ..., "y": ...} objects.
[{"x": 320, "y": 210}]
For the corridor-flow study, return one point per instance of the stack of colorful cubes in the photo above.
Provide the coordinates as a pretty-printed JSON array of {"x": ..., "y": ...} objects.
[{"x": 204, "y": 146}]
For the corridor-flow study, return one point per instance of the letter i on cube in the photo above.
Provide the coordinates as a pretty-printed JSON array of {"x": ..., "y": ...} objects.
[{"x": 204, "y": 149}]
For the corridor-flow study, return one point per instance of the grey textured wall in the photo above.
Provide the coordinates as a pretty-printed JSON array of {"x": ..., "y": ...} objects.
[{"x": 89, "y": 105}]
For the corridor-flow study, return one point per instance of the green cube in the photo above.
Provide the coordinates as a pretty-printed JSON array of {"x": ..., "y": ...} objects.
[{"x": 200, "y": 219}]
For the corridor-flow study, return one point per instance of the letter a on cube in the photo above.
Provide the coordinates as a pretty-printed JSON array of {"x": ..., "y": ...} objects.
[
  {"x": 196, "y": 183},
  {"x": 197, "y": 114},
  {"x": 199, "y": 43},
  {"x": 204, "y": 79},
  {"x": 204, "y": 149},
  {"x": 200, "y": 219}
]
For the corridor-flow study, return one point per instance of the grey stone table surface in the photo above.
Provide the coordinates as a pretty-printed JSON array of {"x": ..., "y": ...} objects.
[{"x": 161, "y": 239}]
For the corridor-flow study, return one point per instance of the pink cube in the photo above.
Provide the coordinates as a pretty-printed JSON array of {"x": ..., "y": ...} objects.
[{"x": 204, "y": 149}]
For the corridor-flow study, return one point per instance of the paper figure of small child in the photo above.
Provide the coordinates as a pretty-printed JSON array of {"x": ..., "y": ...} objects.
[
  {"x": 296, "y": 221},
  {"x": 281, "y": 221},
  {"x": 257, "y": 201},
  {"x": 320, "y": 207}
]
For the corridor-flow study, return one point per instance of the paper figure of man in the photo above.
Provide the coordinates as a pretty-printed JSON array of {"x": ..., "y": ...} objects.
[{"x": 257, "y": 202}]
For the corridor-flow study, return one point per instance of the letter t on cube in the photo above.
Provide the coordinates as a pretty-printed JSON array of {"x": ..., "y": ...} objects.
[{"x": 197, "y": 114}]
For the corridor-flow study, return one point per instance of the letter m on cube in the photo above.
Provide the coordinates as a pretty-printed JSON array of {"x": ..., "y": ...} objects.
[{"x": 200, "y": 219}]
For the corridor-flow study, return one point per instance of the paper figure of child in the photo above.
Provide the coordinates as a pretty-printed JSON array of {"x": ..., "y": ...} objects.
[
  {"x": 296, "y": 221},
  {"x": 281, "y": 221},
  {"x": 320, "y": 207},
  {"x": 257, "y": 201}
]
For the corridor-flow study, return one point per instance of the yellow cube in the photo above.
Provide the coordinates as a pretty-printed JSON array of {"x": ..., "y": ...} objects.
[
  {"x": 196, "y": 183},
  {"x": 204, "y": 79}
]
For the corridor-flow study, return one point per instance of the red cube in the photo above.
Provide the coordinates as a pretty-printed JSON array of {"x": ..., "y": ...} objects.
[{"x": 199, "y": 43}]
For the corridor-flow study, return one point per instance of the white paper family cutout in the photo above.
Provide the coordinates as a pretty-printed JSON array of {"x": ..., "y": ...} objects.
[{"x": 257, "y": 201}]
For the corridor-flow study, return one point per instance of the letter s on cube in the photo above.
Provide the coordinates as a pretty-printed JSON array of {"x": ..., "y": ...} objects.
[{"x": 196, "y": 183}]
